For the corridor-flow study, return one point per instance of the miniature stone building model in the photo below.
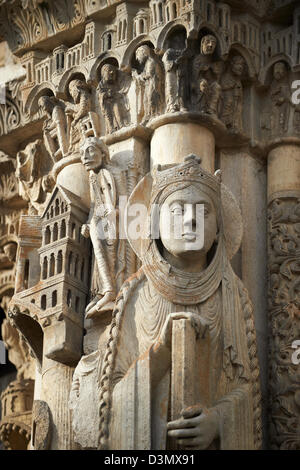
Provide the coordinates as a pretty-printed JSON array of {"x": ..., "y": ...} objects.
[{"x": 111, "y": 103}]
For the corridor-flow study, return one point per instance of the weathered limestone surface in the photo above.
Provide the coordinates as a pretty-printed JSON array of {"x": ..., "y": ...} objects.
[{"x": 119, "y": 340}]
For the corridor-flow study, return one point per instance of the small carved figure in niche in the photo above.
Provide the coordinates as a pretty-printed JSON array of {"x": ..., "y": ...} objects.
[
  {"x": 149, "y": 84},
  {"x": 280, "y": 95},
  {"x": 205, "y": 68},
  {"x": 112, "y": 99},
  {"x": 54, "y": 127},
  {"x": 232, "y": 87},
  {"x": 177, "y": 79},
  {"x": 296, "y": 120},
  {"x": 101, "y": 225},
  {"x": 186, "y": 294},
  {"x": 81, "y": 96},
  {"x": 31, "y": 171}
]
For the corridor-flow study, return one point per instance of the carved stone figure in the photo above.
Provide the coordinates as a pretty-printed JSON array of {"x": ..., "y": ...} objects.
[
  {"x": 101, "y": 225},
  {"x": 177, "y": 91},
  {"x": 280, "y": 95},
  {"x": 181, "y": 368},
  {"x": 33, "y": 184},
  {"x": 232, "y": 87},
  {"x": 81, "y": 96},
  {"x": 149, "y": 84},
  {"x": 54, "y": 127},
  {"x": 204, "y": 68},
  {"x": 112, "y": 99}
]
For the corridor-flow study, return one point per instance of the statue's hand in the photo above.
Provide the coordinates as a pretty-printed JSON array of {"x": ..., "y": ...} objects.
[
  {"x": 197, "y": 322},
  {"x": 196, "y": 429},
  {"x": 85, "y": 231}
]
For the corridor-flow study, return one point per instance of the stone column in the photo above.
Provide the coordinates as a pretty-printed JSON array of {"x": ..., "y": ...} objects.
[
  {"x": 175, "y": 137},
  {"x": 284, "y": 287},
  {"x": 245, "y": 175},
  {"x": 55, "y": 391}
]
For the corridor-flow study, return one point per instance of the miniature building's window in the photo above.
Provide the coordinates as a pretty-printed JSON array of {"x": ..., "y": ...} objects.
[
  {"x": 54, "y": 298},
  {"x": 160, "y": 13},
  {"x": 26, "y": 273},
  {"x": 62, "y": 208},
  {"x": 52, "y": 265},
  {"x": 120, "y": 31},
  {"x": 69, "y": 298},
  {"x": 82, "y": 271},
  {"x": 269, "y": 35},
  {"x": 134, "y": 30},
  {"x": 174, "y": 10},
  {"x": 168, "y": 14},
  {"x": 264, "y": 59},
  {"x": 33, "y": 301},
  {"x": 244, "y": 34},
  {"x": 45, "y": 268},
  {"x": 124, "y": 29},
  {"x": 47, "y": 235},
  {"x": 63, "y": 229},
  {"x": 77, "y": 303},
  {"x": 284, "y": 45},
  {"x": 70, "y": 261},
  {"x": 227, "y": 20},
  {"x": 76, "y": 266},
  {"x": 55, "y": 232},
  {"x": 43, "y": 302},
  {"x": 264, "y": 38},
  {"x": 154, "y": 14},
  {"x": 59, "y": 262},
  {"x": 141, "y": 27},
  {"x": 29, "y": 73},
  {"x": 269, "y": 51},
  {"x": 236, "y": 33},
  {"x": 73, "y": 231},
  {"x": 208, "y": 13},
  {"x": 108, "y": 41},
  {"x": 290, "y": 44},
  {"x": 298, "y": 24},
  {"x": 51, "y": 212},
  {"x": 57, "y": 62},
  {"x": 220, "y": 18},
  {"x": 250, "y": 36},
  {"x": 278, "y": 46},
  {"x": 56, "y": 207}
]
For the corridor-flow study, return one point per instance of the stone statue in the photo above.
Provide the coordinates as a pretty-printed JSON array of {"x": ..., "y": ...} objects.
[
  {"x": 204, "y": 68},
  {"x": 232, "y": 87},
  {"x": 112, "y": 99},
  {"x": 54, "y": 127},
  {"x": 280, "y": 95},
  {"x": 181, "y": 369},
  {"x": 34, "y": 183},
  {"x": 82, "y": 104},
  {"x": 149, "y": 83},
  {"x": 177, "y": 78},
  {"x": 101, "y": 225}
]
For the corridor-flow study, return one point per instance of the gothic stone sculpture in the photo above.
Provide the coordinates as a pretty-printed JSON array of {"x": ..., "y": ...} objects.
[
  {"x": 112, "y": 99},
  {"x": 101, "y": 224},
  {"x": 79, "y": 109},
  {"x": 149, "y": 84},
  {"x": 181, "y": 368},
  {"x": 54, "y": 127},
  {"x": 232, "y": 87},
  {"x": 280, "y": 94}
]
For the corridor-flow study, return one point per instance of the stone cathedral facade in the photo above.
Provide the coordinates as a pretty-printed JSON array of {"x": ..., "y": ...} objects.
[{"x": 118, "y": 341}]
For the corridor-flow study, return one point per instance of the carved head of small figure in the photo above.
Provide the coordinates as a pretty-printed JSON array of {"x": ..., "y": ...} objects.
[
  {"x": 10, "y": 250},
  {"x": 75, "y": 88},
  {"x": 279, "y": 71},
  {"x": 238, "y": 65},
  {"x": 203, "y": 86},
  {"x": 142, "y": 53},
  {"x": 93, "y": 152},
  {"x": 109, "y": 73},
  {"x": 208, "y": 44},
  {"x": 46, "y": 105}
]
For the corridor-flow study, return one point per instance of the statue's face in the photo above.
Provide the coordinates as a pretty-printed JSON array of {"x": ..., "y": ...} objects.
[
  {"x": 279, "y": 71},
  {"x": 109, "y": 74},
  {"x": 237, "y": 66},
  {"x": 44, "y": 105},
  {"x": 191, "y": 229},
  {"x": 208, "y": 45},
  {"x": 91, "y": 157},
  {"x": 10, "y": 250},
  {"x": 141, "y": 55},
  {"x": 203, "y": 86},
  {"x": 74, "y": 90}
]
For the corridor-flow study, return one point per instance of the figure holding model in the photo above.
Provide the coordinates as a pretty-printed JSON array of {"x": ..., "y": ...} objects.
[{"x": 181, "y": 368}]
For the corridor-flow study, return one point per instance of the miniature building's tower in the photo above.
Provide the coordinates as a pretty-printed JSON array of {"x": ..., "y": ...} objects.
[
  {"x": 141, "y": 22},
  {"x": 64, "y": 258},
  {"x": 157, "y": 16}
]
